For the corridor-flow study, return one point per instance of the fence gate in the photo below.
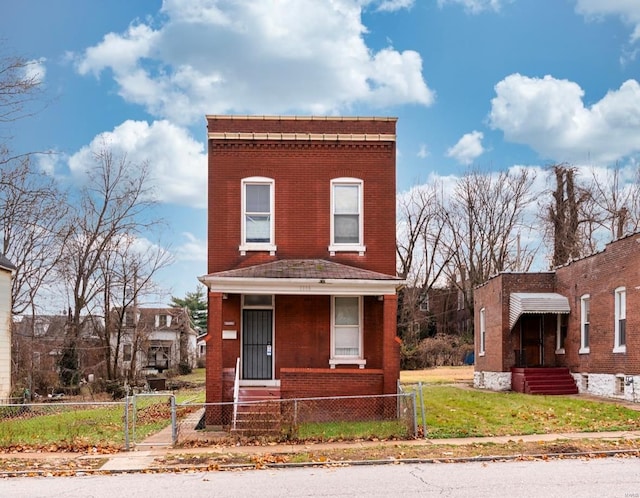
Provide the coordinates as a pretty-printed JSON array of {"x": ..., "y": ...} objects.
[{"x": 151, "y": 420}]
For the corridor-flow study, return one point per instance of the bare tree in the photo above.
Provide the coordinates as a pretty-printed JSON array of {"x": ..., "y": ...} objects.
[
  {"x": 570, "y": 218},
  {"x": 127, "y": 272},
  {"x": 616, "y": 202},
  {"x": 113, "y": 203},
  {"x": 422, "y": 256},
  {"x": 489, "y": 226}
]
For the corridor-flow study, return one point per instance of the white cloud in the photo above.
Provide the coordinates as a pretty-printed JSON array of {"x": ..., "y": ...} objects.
[
  {"x": 423, "y": 151},
  {"x": 218, "y": 56},
  {"x": 393, "y": 5},
  {"x": 549, "y": 115},
  {"x": 627, "y": 10},
  {"x": 36, "y": 70},
  {"x": 192, "y": 249},
  {"x": 178, "y": 163},
  {"x": 475, "y": 6},
  {"x": 468, "y": 148}
]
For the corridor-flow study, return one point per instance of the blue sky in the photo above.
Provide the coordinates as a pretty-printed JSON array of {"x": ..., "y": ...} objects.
[{"x": 490, "y": 84}]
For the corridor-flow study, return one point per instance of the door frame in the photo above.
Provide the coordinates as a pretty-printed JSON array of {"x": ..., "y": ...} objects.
[{"x": 244, "y": 306}]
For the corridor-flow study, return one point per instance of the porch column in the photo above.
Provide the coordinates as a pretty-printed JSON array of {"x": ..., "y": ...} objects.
[
  {"x": 390, "y": 344},
  {"x": 214, "y": 356}
]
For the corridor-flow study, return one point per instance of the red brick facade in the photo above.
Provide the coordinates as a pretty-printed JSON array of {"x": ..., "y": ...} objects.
[
  {"x": 301, "y": 157},
  {"x": 597, "y": 276}
]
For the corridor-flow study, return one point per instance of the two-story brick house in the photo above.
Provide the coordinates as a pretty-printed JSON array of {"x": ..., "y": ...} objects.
[
  {"x": 301, "y": 256},
  {"x": 581, "y": 318}
]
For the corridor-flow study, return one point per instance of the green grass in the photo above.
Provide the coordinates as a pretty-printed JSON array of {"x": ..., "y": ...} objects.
[
  {"x": 197, "y": 376},
  {"x": 73, "y": 427},
  {"x": 325, "y": 431},
  {"x": 455, "y": 412}
]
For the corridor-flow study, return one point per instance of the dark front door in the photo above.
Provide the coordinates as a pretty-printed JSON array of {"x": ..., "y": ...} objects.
[
  {"x": 257, "y": 344},
  {"x": 531, "y": 340}
]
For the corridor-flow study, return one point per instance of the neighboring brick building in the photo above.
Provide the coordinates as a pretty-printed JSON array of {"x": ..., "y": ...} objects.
[
  {"x": 583, "y": 316},
  {"x": 301, "y": 266}
]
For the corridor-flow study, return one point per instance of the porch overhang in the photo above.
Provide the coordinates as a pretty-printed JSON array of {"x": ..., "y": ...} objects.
[
  {"x": 521, "y": 303},
  {"x": 302, "y": 277}
]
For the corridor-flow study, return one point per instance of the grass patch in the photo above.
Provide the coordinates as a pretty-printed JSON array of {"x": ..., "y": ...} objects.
[
  {"x": 455, "y": 412},
  {"x": 438, "y": 375},
  {"x": 331, "y": 431},
  {"x": 197, "y": 376}
]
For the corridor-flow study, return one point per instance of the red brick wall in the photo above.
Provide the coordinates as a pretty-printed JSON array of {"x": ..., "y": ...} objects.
[
  {"x": 302, "y": 172},
  {"x": 599, "y": 275},
  {"x": 312, "y": 383},
  {"x": 618, "y": 265},
  {"x": 500, "y": 342},
  {"x": 302, "y": 338}
]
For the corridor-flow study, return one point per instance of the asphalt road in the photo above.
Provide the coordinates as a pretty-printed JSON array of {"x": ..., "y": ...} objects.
[{"x": 605, "y": 477}]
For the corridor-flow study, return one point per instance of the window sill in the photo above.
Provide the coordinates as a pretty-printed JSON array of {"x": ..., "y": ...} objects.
[
  {"x": 245, "y": 248},
  {"x": 560, "y": 351},
  {"x": 620, "y": 349},
  {"x": 481, "y": 353},
  {"x": 584, "y": 351},
  {"x": 360, "y": 249},
  {"x": 347, "y": 361}
]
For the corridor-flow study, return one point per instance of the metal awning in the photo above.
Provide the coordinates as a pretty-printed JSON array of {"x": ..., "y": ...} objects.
[{"x": 521, "y": 303}]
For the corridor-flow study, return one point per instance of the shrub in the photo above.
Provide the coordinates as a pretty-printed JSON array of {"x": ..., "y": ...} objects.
[
  {"x": 441, "y": 350},
  {"x": 184, "y": 368}
]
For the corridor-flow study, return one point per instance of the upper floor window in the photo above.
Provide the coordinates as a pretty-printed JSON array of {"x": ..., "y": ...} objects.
[
  {"x": 620, "y": 336},
  {"x": 584, "y": 323},
  {"x": 163, "y": 320},
  {"x": 347, "y": 216},
  {"x": 258, "y": 232}
]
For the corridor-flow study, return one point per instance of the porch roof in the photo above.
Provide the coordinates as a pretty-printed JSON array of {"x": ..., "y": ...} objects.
[
  {"x": 521, "y": 303},
  {"x": 302, "y": 276}
]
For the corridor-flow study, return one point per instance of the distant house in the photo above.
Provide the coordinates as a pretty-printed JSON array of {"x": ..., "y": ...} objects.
[
  {"x": 6, "y": 274},
  {"x": 581, "y": 319},
  {"x": 38, "y": 343},
  {"x": 301, "y": 267},
  {"x": 153, "y": 340}
]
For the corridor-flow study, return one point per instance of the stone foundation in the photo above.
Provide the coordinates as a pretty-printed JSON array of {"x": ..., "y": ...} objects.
[
  {"x": 620, "y": 386},
  {"x": 494, "y": 381}
]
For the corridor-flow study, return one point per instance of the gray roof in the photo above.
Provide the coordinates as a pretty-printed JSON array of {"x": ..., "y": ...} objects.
[
  {"x": 306, "y": 269},
  {"x": 6, "y": 264},
  {"x": 537, "y": 303}
]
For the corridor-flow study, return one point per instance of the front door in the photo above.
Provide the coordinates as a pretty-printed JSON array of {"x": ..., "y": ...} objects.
[
  {"x": 257, "y": 344},
  {"x": 532, "y": 340}
]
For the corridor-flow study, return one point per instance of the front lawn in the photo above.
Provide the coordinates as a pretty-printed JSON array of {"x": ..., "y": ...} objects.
[{"x": 459, "y": 412}]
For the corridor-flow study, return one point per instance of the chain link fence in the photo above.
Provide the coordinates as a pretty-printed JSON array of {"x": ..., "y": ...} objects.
[
  {"x": 158, "y": 420},
  {"x": 303, "y": 419}
]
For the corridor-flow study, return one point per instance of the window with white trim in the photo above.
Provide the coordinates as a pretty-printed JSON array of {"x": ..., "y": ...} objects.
[
  {"x": 584, "y": 323},
  {"x": 620, "y": 335},
  {"x": 258, "y": 232},
  {"x": 346, "y": 328},
  {"x": 347, "y": 215},
  {"x": 483, "y": 333}
]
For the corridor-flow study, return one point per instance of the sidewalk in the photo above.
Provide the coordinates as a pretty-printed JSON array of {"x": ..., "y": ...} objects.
[{"x": 150, "y": 456}]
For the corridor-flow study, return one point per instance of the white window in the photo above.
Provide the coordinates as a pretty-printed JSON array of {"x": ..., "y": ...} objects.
[
  {"x": 346, "y": 337},
  {"x": 584, "y": 324},
  {"x": 163, "y": 321},
  {"x": 483, "y": 333},
  {"x": 258, "y": 232},
  {"x": 346, "y": 216},
  {"x": 620, "y": 303}
]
